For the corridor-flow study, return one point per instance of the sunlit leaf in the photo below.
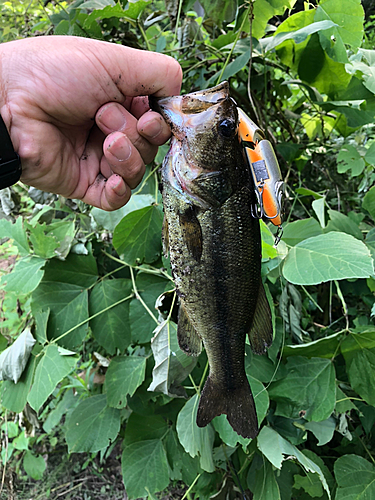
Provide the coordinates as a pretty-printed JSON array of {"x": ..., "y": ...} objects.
[
  {"x": 25, "y": 277},
  {"x": 330, "y": 256},
  {"x": 124, "y": 375},
  {"x": 14, "y": 359}
]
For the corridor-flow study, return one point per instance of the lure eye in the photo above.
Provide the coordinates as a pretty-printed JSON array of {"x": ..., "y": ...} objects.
[{"x": 227, "y": 128}]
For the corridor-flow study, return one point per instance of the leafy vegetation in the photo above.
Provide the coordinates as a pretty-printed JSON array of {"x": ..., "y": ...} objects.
[{"x": 104, "y": 366}]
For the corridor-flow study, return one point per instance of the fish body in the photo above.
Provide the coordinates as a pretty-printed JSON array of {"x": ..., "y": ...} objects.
[{"x": 215, "y": 249}]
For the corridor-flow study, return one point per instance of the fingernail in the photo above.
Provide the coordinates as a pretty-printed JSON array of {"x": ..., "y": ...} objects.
[
  {"x": 119, "y": 187},
  {"x": 113, "y": 118},
  {"x": 120, "y": 148},
  {"x": 152, "y": 129}
]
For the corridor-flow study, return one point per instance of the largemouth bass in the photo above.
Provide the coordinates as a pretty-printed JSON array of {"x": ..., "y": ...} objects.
[{"x": 215, "y": 249}]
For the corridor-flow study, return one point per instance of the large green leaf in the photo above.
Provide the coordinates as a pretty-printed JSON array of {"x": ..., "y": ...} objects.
[
  {"x": 369, "y": 202},
  {"x": 124, "y": 375},
  {"x": 350, "y": 159},
  {"x": 277, "y": 449},
  {"x": 109, "y": 220},
  {"x": 355, "y": 477},
  {"x": 325, "y": 347},
  {"x": 138, "y": 236},
  {"x": 342, "y": 223},
  {"x": 144, "y": 428},
  {"x": 78, "y": 270},
  {"x": 111, "y": 328},
  {"x": 331, "y": 256},
  {"x": 300, "y": 230},
  {"x": 308, "y": 389},
  {"x": 43, "y": 245},
  {"x": 144, "y": 468},
  {"x": 16, "y": 233},
  {"x": 25, "y": 276},
  {"x": 172, "y": 365},
  {"x": 14, "y": 396},
  {"x": 348, "y": 16},
  {"x": 51, "y": 369},
  {"x": 266, "y": 486},
  {"x": 357, "y": 342},
  {"x": 69, "y": 308},
  {"x": 196, "y": 440},
  {"x": 298, "y": 36},
  {"x": 14, "y": 359},
  {"x": 264, "y": 10},
  {"x": 34, "y": 465},
  {"x": 362, "y": 374},
  {"x": 92, "y": 425},
  {"x": 323, "y": 430}
]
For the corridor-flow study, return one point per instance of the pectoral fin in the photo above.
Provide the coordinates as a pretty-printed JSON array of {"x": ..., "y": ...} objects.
[
  {"x": 261, "y": 333},
  {"x": 191, "y": 232},
  {"x": 188, "y": 338}
]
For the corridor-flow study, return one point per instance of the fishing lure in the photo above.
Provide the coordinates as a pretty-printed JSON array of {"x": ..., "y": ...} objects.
[{"x": 265, "y": 171}]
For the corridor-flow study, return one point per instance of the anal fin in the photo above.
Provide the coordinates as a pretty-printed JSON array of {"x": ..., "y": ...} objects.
[
  {"x": 238, "y": 404},
  {"x": 188, "y": 338},
  {"x": 261, "y": 332}
]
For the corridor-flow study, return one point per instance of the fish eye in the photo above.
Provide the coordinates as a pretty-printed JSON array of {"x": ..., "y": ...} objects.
[{"x": 227, "y": 128}]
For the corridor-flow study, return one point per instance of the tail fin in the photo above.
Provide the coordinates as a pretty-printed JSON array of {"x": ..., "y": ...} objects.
[{"x": 237, "y": 404}]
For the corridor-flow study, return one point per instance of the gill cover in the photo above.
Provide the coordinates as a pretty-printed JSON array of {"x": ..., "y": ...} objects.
[{"x": 265, "y": 171}]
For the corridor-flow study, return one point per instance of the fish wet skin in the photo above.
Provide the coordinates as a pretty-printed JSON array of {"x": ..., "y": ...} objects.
[{"x": 215, "y": 249}]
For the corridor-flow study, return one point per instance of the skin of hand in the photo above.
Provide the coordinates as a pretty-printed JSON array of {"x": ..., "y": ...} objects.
[{"x": 78, "y": 117}]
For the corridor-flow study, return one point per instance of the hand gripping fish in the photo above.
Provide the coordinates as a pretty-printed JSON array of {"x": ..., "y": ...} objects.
[{"x": 215, "y": 249}]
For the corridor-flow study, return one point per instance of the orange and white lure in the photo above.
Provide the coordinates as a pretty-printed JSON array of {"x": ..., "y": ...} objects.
[{"x": 265, "y": 171}]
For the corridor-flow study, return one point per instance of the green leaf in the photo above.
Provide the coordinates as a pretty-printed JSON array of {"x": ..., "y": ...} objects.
[
  {"x": 355, "y": 477},
  {"x": 367, "y": 70},
  {"x": 25, "y": 276},
  {"x": 41, "y": 321},
  {"x": 51, "y": 369},
  {"x": 196, "y": 440},
  {"x": 14, "y": 359},
  {"x": 21, "y": 442},
  {"x": 342, "y": 223},
  {"x": 325, "y": 347},
  {"x": 369, "y": 202},
  {"x": 172, "y": 365},
  {"x": 309, "y": 483},
  {"x": 300, "y": 230},
  {"x": 362, "y": 373},
  {"x": 141, "y": 322},
  {"x": 327, "y": 257},
  {"x": 14, "y": 396},
  {"x": 220, "y": 10},
  {"x": 34, "y": 465},
  {"x": 144, "y": 428},
  {"x": 64, "y": 232},
  {"x": 16, "y": 233},
  {"x": 124, "y": 375},
  {"x": 348, "y": 17},
  {"x": 323, "y": 431},
  {"x": 138, "y": 236},
  {"x": 309, "y": 387},
  {"x": 111, "y": 328},
  {"x": 356, "y": 342},
  {"x": 298, "y": 36},
  {"x": 69, "y": 308},
  {"x": 318, "y": 207},
  {"x": 80, "y": 270},
  {"x": 144, "y": 468},
  {"x": 109, "y": 220},
  {"x": 54, "y": 417},
  {"x": 350, "y": 159},
  {"x": 43, "y": 245},
  {"x": 227, "y": 434},
  {"x": 92, "y": 425},
  {"x": 264, "y": 10},
  {"x": 266, "y": 486},
  {"x": 277, "y": 449},
  {"x": 370, "y": 154}
]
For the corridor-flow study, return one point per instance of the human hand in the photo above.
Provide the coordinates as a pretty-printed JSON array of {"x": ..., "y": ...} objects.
[{"x": 75, "y": 116}]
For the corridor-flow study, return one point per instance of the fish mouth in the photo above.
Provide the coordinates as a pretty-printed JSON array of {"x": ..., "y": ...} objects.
[{"x": 175, "y": 109}]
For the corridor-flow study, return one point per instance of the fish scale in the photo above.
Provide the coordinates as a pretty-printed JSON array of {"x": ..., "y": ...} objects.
[{"x": 215, "y": 249}]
